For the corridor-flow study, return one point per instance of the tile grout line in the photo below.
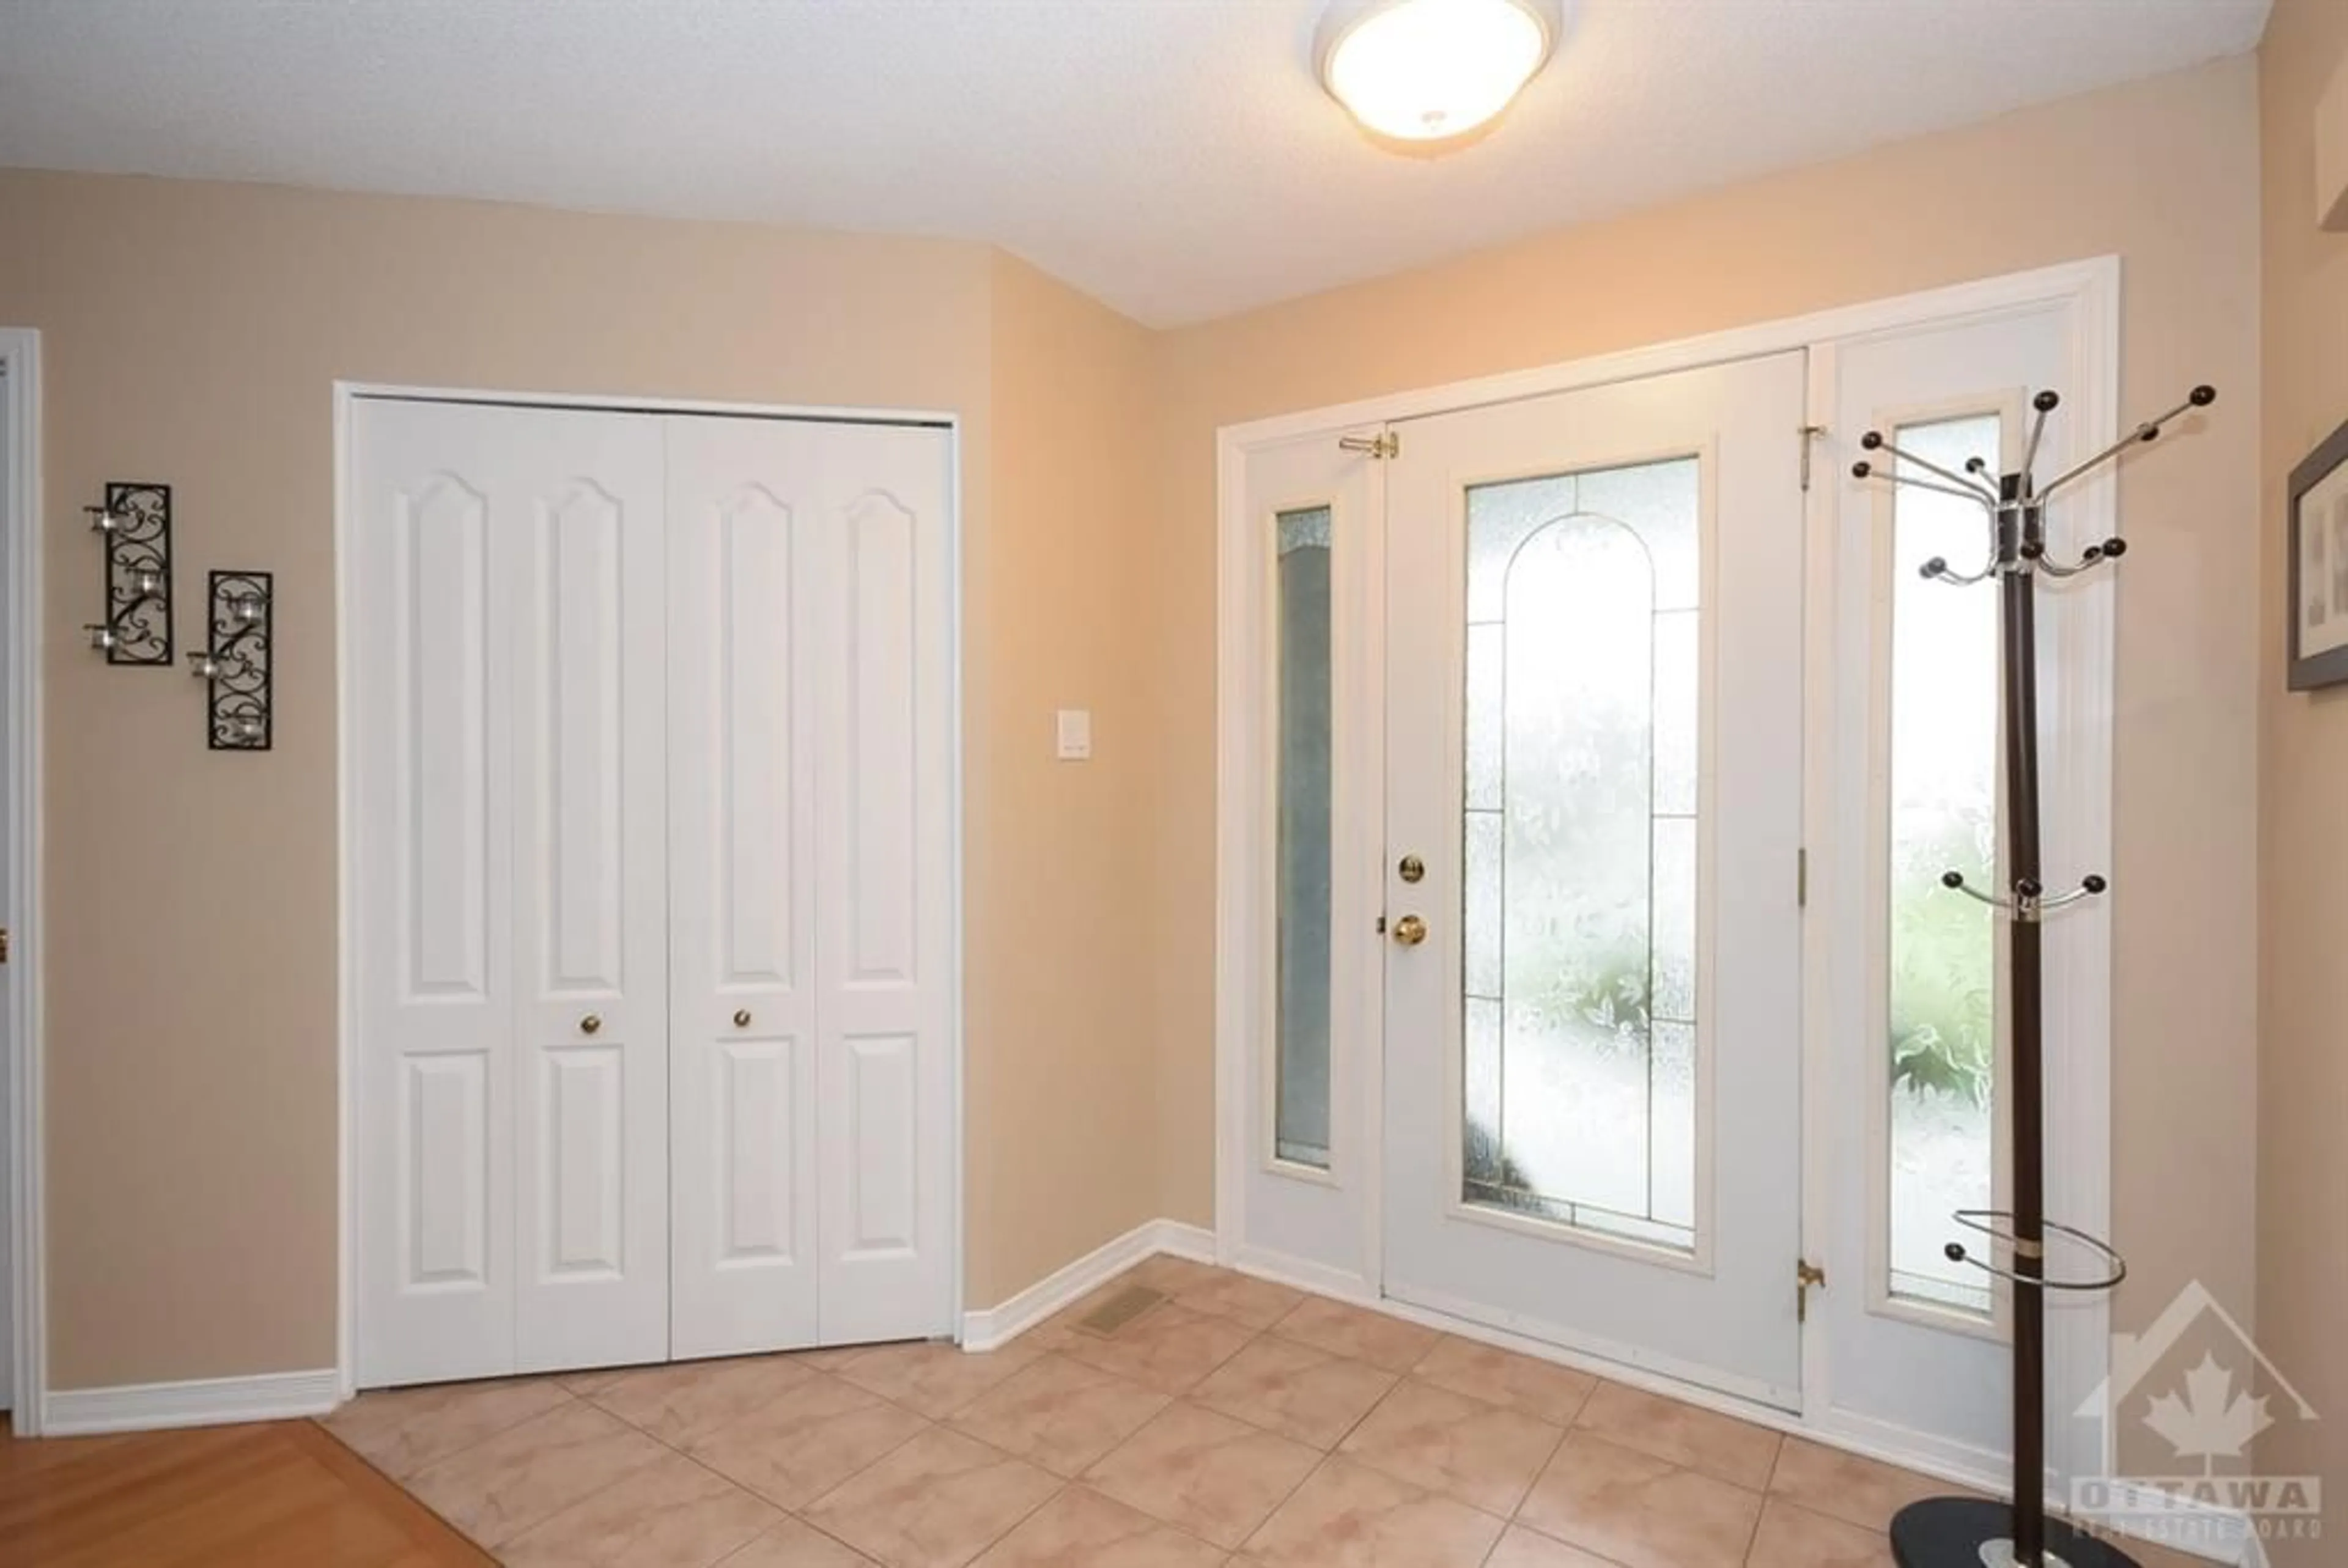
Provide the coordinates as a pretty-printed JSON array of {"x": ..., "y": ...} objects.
[
  {"x": 320, "y": 1422},
  {"x": 1285, "y": 1498},
  {"x": 793, "y": 1515}
]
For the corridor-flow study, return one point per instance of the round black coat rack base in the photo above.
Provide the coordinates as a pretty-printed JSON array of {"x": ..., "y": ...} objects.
[{"x": 1949, "y": 1532}]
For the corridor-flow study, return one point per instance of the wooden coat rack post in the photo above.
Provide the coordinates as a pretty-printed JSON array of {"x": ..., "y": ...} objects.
[{"x": 1974, "y": 1532}]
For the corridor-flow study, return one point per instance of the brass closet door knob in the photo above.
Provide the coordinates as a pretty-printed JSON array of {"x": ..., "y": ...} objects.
[
  {"x": 1410, "y": 930},
  {"x": 741, "y": 1017},
  {"x": 590, "y": 1024}
]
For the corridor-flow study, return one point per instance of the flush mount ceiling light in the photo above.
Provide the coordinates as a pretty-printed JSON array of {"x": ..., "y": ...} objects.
[{"x": 1431, "y": 72}]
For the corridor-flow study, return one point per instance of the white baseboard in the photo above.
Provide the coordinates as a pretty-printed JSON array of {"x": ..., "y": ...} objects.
[
  {"x": 207, "y": 1403},
  {"x": 1302, "y": 1274},
  {"x": 993, "y": 1327},
  {"x": 1196, "y": 1243}
]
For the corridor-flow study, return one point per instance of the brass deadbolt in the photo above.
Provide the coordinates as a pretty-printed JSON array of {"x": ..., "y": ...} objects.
[{"x": 1411, "y": 868}]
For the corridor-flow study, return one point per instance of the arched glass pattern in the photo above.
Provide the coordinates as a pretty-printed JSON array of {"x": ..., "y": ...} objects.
[{"x": 1584, "y": 693}]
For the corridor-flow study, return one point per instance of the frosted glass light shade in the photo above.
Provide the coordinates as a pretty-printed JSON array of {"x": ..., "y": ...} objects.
[{"x": 1430, "y": 70}]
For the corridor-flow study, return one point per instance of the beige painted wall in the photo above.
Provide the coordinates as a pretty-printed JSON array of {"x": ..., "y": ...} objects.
[
  {"x": 192, "y": 333},
  {"x": 2304, "y": 809},
  {"x": 1057, "y": 938},
  {"x": 2158, "y": 172}
]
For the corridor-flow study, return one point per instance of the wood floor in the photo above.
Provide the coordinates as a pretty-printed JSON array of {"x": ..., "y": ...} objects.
[{"x": 279, "y": 1495}]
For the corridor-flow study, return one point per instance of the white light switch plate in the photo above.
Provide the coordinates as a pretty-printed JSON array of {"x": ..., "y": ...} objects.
[{"x": 1075, "y": 733}]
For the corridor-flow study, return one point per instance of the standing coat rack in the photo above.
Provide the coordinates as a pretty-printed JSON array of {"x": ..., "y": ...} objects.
[{"x": 1975, "y": 1532}]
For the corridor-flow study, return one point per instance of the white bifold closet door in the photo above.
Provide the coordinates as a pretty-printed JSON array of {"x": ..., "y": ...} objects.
[
  {"x": 510, "y": 954},
  {"x": 810, "y": 845},
  {"x": 651, "y": 937}
]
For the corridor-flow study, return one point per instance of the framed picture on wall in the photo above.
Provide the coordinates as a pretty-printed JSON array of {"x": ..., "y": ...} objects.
[{"x": 2318, "y": 511}]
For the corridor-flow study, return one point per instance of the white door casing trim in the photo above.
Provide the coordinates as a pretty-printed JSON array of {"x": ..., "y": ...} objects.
[
  {"x": 346, "y": 395},
  {"x": 2079, "y": 968},
  {"x": 20, "y": 899}
]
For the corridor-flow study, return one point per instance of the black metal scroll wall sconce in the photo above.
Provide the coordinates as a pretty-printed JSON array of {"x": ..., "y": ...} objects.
[
  {"x": 135, "y": 524},
  {"x": 236, "y": 666},
  {"x": 237, "y": 662}
]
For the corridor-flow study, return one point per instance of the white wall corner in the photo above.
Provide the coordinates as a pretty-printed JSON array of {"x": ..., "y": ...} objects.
[
  {"x": 992, "y": 1327},
  {"x": 2331, "y": 153},
  {"x": 206, "y": 1402}
]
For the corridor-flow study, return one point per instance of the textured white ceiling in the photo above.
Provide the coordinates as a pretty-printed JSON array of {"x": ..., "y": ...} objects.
[{"x": 1175, "y": 157}]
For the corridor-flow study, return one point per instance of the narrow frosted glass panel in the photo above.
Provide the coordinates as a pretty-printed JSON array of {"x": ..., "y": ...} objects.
[
  {"x": 1942, "y": 984},
  {"x": 1672, "y": 1157},
  {"x": 1579, "y": 849},
  {"x": 1674, "y": 921},
  {"x": 1486, "y": 654},
  {"x": 1301, "y": 1093},
  {"x": 1677, "y": 650},
  {"x": 1485, "y": 900},
  {"x": 1483, "y": 1092}
]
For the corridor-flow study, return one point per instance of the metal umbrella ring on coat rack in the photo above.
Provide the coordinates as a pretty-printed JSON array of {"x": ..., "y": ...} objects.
[
  {"x": 1970, "y": 1531},
  {"x": 1998, "y": 1226}
]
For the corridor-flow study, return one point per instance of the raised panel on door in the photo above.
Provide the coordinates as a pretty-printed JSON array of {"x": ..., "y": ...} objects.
[
  {"x": 743, "y": 509},
  {"x": 591, "y": 1141},
  {"x": 431, "y": 796},
  {"x": 884, "y": 944}
]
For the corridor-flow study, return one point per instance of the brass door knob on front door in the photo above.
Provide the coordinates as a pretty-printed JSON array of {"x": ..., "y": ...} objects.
[{"x": 1410, "y": 930}]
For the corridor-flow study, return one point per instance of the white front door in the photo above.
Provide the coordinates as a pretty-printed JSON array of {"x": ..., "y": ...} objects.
[
  {"x": 510, "y": 920},
  {"x": 1594, "y": 795}
]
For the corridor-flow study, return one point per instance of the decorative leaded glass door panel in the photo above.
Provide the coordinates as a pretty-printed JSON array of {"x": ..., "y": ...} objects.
[{"x": 1594, "y": 743}]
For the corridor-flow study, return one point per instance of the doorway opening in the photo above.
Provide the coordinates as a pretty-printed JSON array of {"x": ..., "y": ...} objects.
[{"x": 1570, "y": 992}]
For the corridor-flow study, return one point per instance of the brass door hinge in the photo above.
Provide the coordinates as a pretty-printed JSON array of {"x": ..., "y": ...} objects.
[
  {"x": 1801, "y": 878},
  {"x": 1809, "y": 433},
  {"x": 1805, "y": 1274},
  {"x": 1385, "y": 443},
  {"x": 3, "y": 943}
]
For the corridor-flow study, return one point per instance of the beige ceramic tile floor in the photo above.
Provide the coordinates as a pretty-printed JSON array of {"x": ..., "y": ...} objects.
[{"x": 1238, "y": 1423}]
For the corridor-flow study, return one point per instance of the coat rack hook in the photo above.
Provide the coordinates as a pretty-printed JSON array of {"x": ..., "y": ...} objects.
[
  {"x": 2044, "y": 404},
  {"x": 1937, "y": 569},
  {"x": 1970, "y": 485},
  {"x": 2201, "y": 396},
  {"x": 2030, "y": 898}
]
